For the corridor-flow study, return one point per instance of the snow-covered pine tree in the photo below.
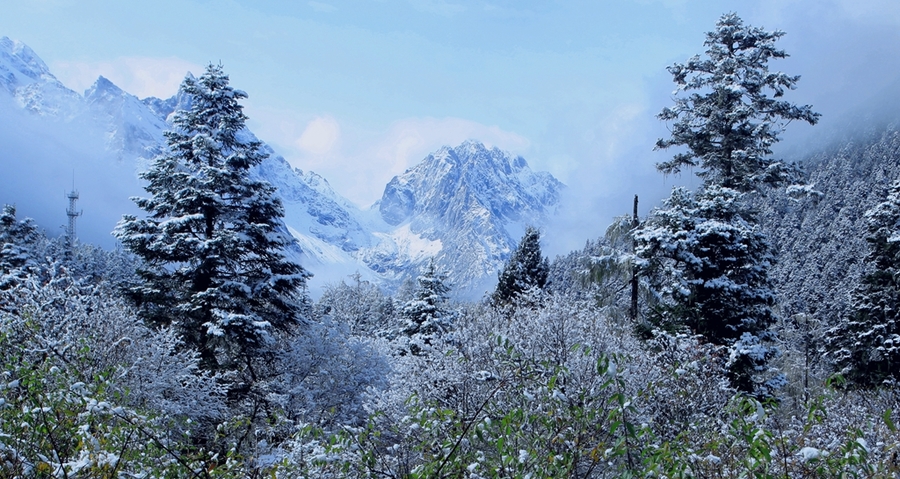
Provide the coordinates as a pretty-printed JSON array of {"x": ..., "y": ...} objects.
[
  {"x": 526, "y": 269},
  {"x": 865, "y": 347},
  {"x": 213, "y": 247},
  {"x": 427, "y": 315},
  {"x": 730, "y": 125},
  {"x": 708, "y": 247},
  {"x": 709, "y": 262},
  {"x": 17, "y": 240}
]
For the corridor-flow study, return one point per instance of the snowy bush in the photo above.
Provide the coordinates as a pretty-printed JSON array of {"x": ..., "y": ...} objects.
[{"x": 89, "y": 391}]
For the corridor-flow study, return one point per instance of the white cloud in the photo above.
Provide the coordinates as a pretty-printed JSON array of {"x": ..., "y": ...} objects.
[
  {"x": 140, "y": 76},
  {"x": 409, "y": 140},
  {"x": 322, "y": 7},
  {"x": 320, "y": 136},
  {"x": 440, "y": 7}
]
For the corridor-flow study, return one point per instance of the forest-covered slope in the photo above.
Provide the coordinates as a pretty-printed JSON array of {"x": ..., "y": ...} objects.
[{"x": 820, "y": 240}]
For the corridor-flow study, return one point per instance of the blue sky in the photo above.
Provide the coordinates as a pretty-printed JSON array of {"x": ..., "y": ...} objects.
[{"x": 358, "y": 91}]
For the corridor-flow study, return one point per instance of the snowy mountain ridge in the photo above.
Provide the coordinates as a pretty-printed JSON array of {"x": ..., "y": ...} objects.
[
  {"x": 28, "y": 80},
  {"x": 476, "y": 200},
  {"x": 465, "y": 206}
]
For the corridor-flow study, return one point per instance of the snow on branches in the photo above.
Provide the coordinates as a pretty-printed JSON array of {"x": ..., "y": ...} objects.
[
  {"x": 735, "y": 114},
  {"x": 213, "y": 246}
]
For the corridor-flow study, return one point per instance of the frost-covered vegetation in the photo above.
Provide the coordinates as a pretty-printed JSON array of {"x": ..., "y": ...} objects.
[
  {"x": 197, "y": 352},
  {"x": 552, "y": 387}
]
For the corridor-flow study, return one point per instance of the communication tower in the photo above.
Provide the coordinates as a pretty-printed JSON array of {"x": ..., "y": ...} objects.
[{"x": 72, "y": 213}]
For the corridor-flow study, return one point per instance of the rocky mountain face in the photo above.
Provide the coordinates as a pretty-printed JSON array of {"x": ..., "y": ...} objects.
[
  {"x": 26, "y": 77},
  {"x": 475, "y": 201},
  {"x": 464, "y": 206},
  {"x": 133, "y": 129}
]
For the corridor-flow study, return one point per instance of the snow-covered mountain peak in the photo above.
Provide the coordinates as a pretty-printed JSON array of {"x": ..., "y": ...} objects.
[
  {"x": 491, "y": 178},
  {"x": 102, "y": 87},
  {"x": 28, "y": 80},
  {"x": 475, "y": 200},
  {"x": 474, "y": 153},
  {"x": 133, "y": 128},
  {"x": 318, "y": 183},
  {"x": 106, "y": 97},
  {"x": 19, "y": 65}
]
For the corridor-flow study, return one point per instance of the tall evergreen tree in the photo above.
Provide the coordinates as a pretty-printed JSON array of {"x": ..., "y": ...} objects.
[
  {"x": 730, "y": 124},
  {"x": 427, "y": 315},
  {"x": 709, "y": 262},
  {"x": 213, "y": 245},
  {"x": 865, "y": 346},
  {"x": 705, "y": 250},
  {"x": 17, "y": 240},
  {"x": 526, "y": 269}
]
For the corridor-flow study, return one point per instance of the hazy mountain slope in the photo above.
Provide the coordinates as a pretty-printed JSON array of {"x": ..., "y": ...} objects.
[
  {"x": 26, "y": 77},
  {"x": 133, "y": 129},
  {"x": 821, "y": 244},
  {"x": 50, "y": 137}
]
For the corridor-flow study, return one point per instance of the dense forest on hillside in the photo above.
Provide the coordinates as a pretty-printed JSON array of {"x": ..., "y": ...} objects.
[{"x": 745, "y": 329}]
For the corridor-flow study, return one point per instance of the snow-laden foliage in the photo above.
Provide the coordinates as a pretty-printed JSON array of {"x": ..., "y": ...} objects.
[
  {"x": 605, "y": 270},
  {"x": 57, "y": 422},
  {"x": 865, "y": 347},
  {"x": 821, "y": 244},
  {"x": 17, "y": 240},
  {"x": 361, "y": 305},
  {"x": 427, "y": 314},
  {"x": 554, "y": 387},
  {"x": 107, "y": 387},
  {"x": 709, "y": 262},
  {"x": 533, "y": 367},
  {"x": 507, "y": 390},
  {"x": 325, "y": 374},
  {"x": 89, "y": 390},
  {"x": 526, "y": 269},
  {"x": 612, "y": 272},
  {"x": 213, "y": 249},
  {"x": 560, "y": 390},
  {"x": 67, "y": 317},
  {"x": 705, "y": 252},
  {"x": 731, "y": 121}
]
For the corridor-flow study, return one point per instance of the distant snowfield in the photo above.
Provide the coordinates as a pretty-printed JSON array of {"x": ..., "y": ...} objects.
[{"x": 412, "y": 245}]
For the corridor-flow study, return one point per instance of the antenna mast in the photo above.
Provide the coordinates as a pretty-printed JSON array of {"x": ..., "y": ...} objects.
[
  {"x": 72, "y": 213},
  {"x": 635, "y": 222}
]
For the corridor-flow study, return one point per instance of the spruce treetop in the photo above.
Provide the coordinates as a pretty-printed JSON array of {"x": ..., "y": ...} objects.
[
  {"x": 734, "y": 116},
  {"x": 210, "y": 130}
]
